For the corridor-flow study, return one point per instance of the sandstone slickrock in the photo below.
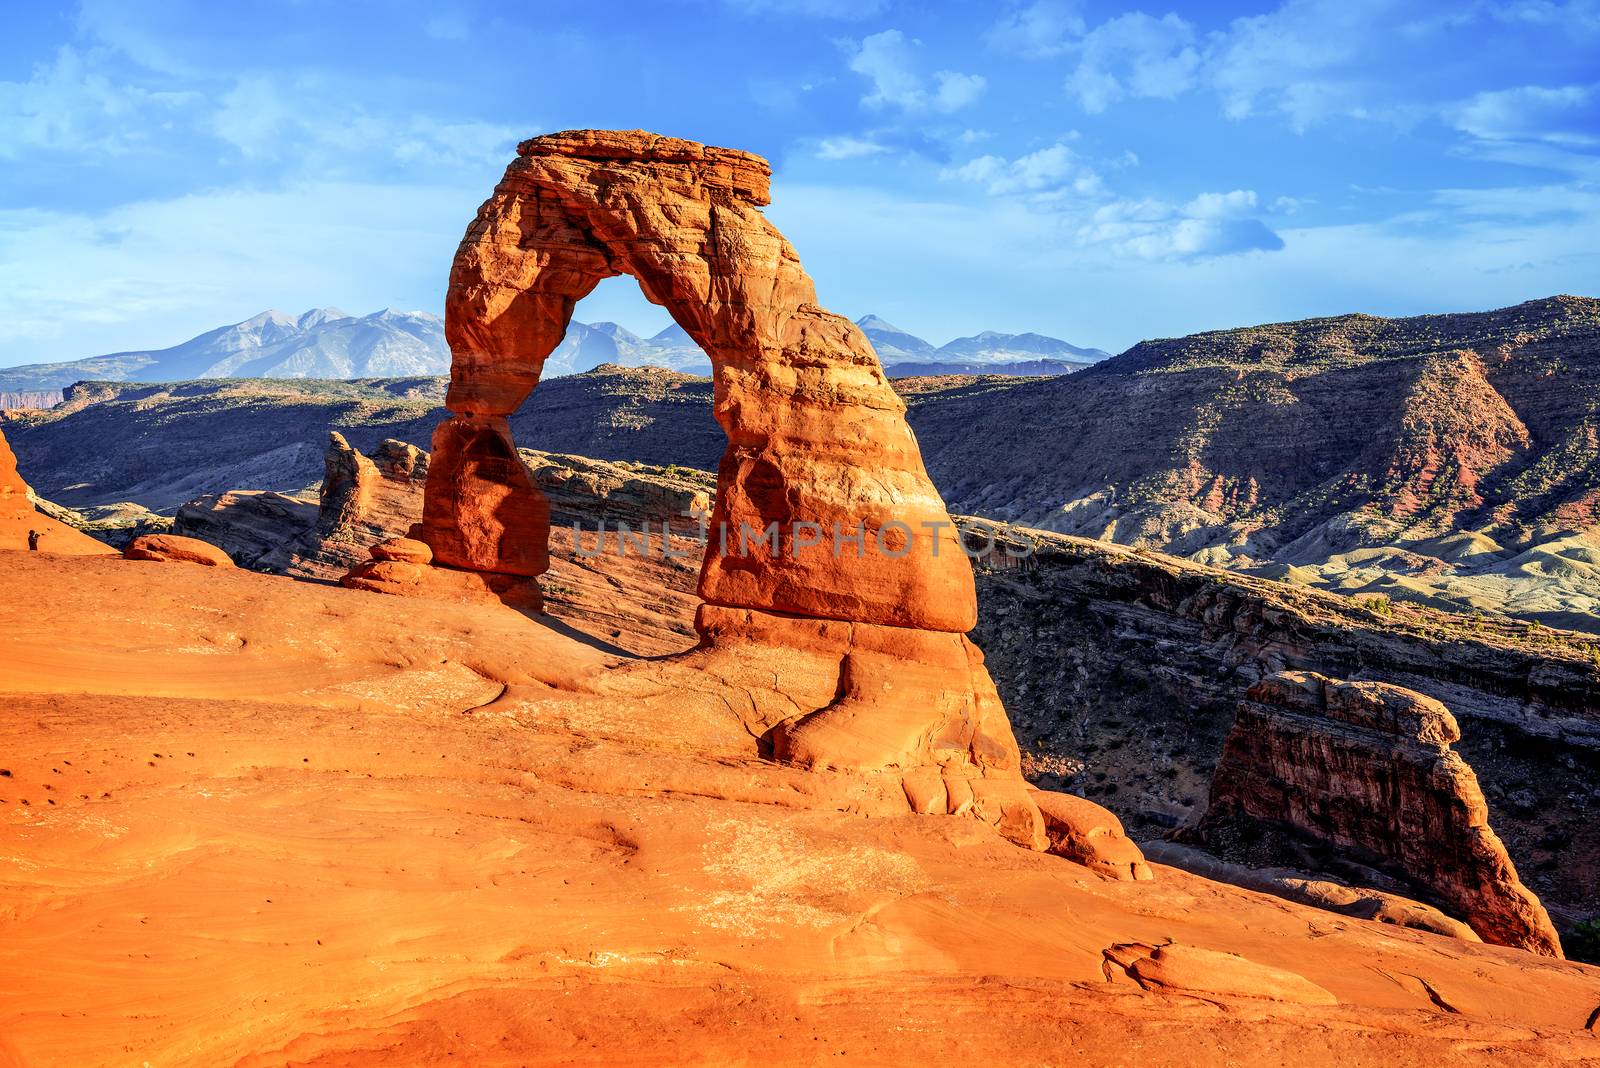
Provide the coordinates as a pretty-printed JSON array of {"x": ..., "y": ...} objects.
[
  {"x": 823, "y": 510},
  {"x": 173, "y": 548},
  {"x": 1368, "y": 767},
  {"x": 250, "y": 817},
  {"x": 1307, "y": 888},
  {"x": 1179, "y": 969}
]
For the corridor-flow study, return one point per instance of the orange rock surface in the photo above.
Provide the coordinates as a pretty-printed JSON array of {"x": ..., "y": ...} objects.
[
  {"x": 301, "y": 824},
  {"x": 176, "y": 549},
  {"x": 817, "y": 441},
  {"x": 18, "y": 517},
  {"x": 826, "y": 531}
]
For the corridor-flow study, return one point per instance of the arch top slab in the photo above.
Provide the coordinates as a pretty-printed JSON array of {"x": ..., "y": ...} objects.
[{"x": 818, "y": 447}]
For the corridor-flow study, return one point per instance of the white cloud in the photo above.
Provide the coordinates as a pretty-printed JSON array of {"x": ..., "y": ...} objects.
[
  {"x": 956, "y": 91},
  {"x": 1134, "y": 55},
  {"x": 1040, "y": 30},
  {"x": 1552, "y": 203},
  {"x": 891, "y": 61},
  {"x": 1062, "y": 190},
  {"x": 846, "y": 147},
  {"x": 1306, "y": 60},
  {"x": 70, "y": 104},
  {"x": 1221, "y": 205},
  {"x": 1048, "y": 173},
  {"x": 155, "y": 272},
  {"x": 300, "y": 120},
  {"x": 1295, "y": 60},
  {"x": 1212, "y": 224},
  {"x": 1580, "y": 16},
  {"x": 1566, "y": 115}
]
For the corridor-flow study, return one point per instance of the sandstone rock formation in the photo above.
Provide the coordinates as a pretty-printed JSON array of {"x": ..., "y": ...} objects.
[
  {"x": 1082, "y": 831},
  {"x": 174, "y": 548},
  {"x": 1368, "y": 768},
  {"x": 18, "y": 516},
  {"x": 1180, "y": 969},
  {"x": 823, "y": 510},
  {"x": 816, "y": 435},
  {"x": 363, "y": 500},
  {"x": 1122, "y": 670},
  {"x": 826, "y": 694}
]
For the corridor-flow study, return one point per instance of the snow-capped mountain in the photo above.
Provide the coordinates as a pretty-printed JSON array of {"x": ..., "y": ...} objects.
[
  {"x": 327, "y": 343},
  {"x": 322, "y": 343},
  {"x": 588, "y": 345},
  {"x": 993, "y": 347},
  {"x": 892, "y": 343},
  {"x": 990, "y": 352}
]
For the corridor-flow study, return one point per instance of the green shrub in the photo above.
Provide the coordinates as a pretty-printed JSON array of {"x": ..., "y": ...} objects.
[
  {"x": 1377, "y": 602},
  {"x": 1583, "y": 942}
]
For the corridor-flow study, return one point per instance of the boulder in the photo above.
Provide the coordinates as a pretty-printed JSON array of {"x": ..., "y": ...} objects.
[
  {"x": 174, "y": 548},
  {"x": 1087, "y": 834},
  {"x": 405, "y": 550}
]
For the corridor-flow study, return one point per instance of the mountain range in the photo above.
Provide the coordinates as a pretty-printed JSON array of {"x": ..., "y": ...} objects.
[
  {"x": 990, "y": 352},
  {"x": 322, "y": 343},
  {"x": 327, "y": 343}
]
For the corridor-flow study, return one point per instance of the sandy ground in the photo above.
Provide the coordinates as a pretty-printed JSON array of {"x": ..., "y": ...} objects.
[{"x": 247, "y": 820}]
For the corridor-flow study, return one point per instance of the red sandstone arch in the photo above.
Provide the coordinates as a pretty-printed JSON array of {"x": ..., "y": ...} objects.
[
  {"x": 834, "y": 658},
  {"x": 815, "y": 433}
]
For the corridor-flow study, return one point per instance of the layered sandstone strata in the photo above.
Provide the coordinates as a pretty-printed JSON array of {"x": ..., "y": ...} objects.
[{"x": 1367, "y": 767}]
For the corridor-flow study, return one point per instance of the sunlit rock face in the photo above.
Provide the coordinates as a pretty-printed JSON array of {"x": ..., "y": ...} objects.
[
  {"x": 826, "y": 534},
  {"x": 817, "y": 441}
]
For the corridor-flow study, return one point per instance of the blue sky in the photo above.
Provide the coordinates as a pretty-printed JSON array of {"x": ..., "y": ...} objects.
[{"x": 1096, "y": 171}]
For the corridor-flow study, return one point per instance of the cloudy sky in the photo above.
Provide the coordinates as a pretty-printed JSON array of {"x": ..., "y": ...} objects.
[{"x": 1091, "y": 170}]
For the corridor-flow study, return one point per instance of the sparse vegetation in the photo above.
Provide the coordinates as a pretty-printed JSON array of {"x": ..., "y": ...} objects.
[
  {"x": 1377, "y": 603},
  {"x": 1583, "y": 942}
]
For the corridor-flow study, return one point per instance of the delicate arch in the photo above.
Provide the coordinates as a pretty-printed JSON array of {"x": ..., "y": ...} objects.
[{"x": 817, "y": 440}]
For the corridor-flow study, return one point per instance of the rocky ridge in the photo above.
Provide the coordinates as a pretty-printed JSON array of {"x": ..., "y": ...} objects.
[{"x": 1367, "y": 768}]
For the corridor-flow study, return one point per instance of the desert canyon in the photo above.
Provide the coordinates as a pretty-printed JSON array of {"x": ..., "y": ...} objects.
[{"x": 409, "y": 772}]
